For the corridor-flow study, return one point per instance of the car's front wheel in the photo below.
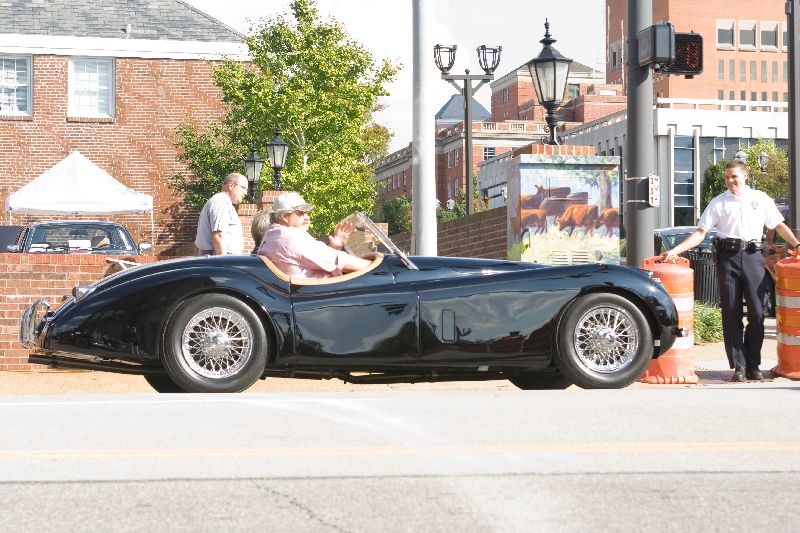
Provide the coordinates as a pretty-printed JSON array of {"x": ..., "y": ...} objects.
[
  {"x": 214, "y": 343},
  {"x": 604, "y": 342}
]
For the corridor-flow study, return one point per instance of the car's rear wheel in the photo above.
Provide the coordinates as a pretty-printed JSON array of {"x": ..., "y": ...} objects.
[
  {"x": 604, "y": 342},
  {"x": 162, "y": 383},
  {"x": 214, "y": 343},
  {"x": 543, "y": 380}
]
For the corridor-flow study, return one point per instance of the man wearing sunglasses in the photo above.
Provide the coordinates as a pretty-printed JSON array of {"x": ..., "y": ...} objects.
[{"x": 288, "y": 244}]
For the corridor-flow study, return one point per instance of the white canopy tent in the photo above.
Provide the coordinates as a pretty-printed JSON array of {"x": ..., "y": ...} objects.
[{"x": 76, "y": 186}]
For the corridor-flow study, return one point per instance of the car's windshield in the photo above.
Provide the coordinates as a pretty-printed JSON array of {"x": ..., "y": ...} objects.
[
  {"x": 80, "y": 237},
  {"x": 367, "y": 237}
]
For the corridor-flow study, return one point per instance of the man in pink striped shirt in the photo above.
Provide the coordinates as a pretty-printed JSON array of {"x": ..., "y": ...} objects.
[{"x": 288, "y": 244}]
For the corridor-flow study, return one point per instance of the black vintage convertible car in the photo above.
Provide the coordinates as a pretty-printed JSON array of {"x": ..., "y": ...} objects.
[{"x": 218, "y": 324}]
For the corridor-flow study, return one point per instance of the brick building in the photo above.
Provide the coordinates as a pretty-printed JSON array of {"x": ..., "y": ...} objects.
[
  {"x": 744, "y": 48},
  {"x": 740, "y": 96},
  {"x": 114, "y": 82},
  {"x": 516, "y": 119}
]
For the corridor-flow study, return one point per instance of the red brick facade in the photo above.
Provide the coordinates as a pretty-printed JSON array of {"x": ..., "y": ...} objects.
[{"x": 137, "y": 147}]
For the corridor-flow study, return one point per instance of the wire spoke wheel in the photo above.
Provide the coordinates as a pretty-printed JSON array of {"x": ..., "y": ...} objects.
[
  {"x": 604, "y": 341},
  {"x": 606, "y": 338},
  {"x": 217, "y": 342}
]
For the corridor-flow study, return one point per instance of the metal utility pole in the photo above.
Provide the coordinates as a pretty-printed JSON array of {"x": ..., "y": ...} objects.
[
  {"x": 793, "y": 23},
  {"x": 423, "y": 156},
  {"x": 638, "y": 214}
]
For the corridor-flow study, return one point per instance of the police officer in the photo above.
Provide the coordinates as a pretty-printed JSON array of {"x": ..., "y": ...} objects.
[{"x": 739, "y": 216}]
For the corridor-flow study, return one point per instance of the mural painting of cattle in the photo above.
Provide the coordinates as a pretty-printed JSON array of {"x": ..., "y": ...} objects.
[
  {"x": 609, "y": 218},
  {"x": 579, "y": 216}
]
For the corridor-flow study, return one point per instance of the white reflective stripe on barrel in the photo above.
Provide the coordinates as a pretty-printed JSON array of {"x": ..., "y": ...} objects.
[
  {"x": 789, "y": 340},
  {"x": 683, "y": 343},
  {"x": 788, "y": 302},
  {"x": 684, "y": 303}
]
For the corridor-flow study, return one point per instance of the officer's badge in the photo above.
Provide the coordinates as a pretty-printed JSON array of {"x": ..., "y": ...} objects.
[{"x": 754, "y": 204}]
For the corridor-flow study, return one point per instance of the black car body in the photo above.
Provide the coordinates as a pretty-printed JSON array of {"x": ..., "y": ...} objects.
[
  {"x": 77, "y": 236},
  {"x": 217, "y": 324}
]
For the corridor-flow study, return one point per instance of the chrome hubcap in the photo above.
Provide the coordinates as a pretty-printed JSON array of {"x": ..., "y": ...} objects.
[
  {"x": 606, "y": 339},
  {"x": 217, "y": 342}
]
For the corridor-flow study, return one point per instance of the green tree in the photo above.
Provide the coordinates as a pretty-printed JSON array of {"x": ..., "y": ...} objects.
[
  {"x": 774, "y": 181},
  {"x": 713, "y": 182},
  {"x": 397, "y": 213},
  {"x": 308, "y": 78}
]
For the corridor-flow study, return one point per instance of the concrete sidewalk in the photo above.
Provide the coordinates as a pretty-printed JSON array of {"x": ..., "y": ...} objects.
[{"x": 711, "y": 366}]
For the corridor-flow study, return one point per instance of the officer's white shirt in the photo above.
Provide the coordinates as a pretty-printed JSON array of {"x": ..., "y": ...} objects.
[{"x": 741, "y": 217}]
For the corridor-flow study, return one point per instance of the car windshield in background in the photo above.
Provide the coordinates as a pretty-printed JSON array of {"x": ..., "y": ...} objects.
[
  {"x": 83, "y": 238},
  {"x": 672, "y": 240}
]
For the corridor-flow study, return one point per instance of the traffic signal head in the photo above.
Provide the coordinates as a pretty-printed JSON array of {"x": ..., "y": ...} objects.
[{"x": 688, "y": 55}]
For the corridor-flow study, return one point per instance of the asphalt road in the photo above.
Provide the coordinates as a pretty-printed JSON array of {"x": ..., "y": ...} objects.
[{"x": 627, "y": 460}]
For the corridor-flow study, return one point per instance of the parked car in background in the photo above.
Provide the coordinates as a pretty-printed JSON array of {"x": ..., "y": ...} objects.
[
  {"x": 77, "y": 236},
  {"x": 667, "y": 238},
  {"x": 8, "y": 236}
]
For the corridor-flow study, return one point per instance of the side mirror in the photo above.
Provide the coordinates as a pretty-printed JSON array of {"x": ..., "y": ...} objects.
[
  {"x": 13, "y": 248},
  {"x": 143, "y": 246}
]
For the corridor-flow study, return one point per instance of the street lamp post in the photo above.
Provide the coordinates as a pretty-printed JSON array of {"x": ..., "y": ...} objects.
[
  {"x": 277, "y": 149},
  {"x": 489, "y": 59},
  {"x": 550, "y": 71},
  {"x": 763, "y": 163},
  {"x": 252, "y": 170}
]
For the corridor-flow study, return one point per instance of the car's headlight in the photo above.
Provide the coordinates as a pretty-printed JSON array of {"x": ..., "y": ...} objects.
[{"x": 79, "y": 291}]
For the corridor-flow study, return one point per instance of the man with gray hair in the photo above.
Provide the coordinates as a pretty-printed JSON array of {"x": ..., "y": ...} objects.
[{"x": 219, "y": 230}]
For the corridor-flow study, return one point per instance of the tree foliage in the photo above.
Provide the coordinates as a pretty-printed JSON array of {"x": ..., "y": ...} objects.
[
  {"x": 397, "y": 213},
  {"x": 306, "y": 77},
  {"x": 774, "y": 181}
]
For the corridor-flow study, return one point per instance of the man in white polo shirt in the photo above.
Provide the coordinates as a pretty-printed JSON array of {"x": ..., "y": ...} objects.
[
  {"x": 219, "y": 230},
  {"x": 739, "y": 216}
]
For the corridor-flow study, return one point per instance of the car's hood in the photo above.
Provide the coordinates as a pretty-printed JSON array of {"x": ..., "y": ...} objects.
[{"x": 467, "y": 263}]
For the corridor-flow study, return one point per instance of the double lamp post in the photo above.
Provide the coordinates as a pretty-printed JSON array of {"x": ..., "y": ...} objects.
[
  {"x": 277, "y": 150},
  {"x": 549, "y": 71}
]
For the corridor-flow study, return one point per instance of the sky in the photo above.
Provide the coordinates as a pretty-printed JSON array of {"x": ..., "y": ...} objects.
[{"x": 384, "y": 28}]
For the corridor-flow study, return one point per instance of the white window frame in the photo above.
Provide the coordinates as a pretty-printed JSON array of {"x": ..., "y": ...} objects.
[
  {"x": 783, "y": 30},
  {"x": 489, "y": 150},
  {"x": 28, "y": 84},
  {"x": 504, "y": 95},
  {"x": 726, "y": 24},
  {"x": 75, "y": 107},
  {"x": 770, "y": 26},
  {"x": 748, "y": 25}
]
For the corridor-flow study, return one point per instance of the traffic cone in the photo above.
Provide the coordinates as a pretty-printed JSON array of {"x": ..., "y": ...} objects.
[
  {"x": 787, "y": 317},
  {"x": 676, "y": 366}
]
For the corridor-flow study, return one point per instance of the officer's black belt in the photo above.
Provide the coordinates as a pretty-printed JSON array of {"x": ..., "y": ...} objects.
[{"x": 734, "y": 245}]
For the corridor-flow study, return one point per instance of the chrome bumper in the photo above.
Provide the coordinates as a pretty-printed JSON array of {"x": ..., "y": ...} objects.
[{"x": 30, "y": 325}]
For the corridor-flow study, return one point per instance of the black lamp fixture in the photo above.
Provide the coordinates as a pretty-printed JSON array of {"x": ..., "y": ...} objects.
[
  {"x": 550, "y": 71},
  {"x": 252, "y": 169},
  {"x": 277, "y": 149},
  {"x": 444, "y": 55}
]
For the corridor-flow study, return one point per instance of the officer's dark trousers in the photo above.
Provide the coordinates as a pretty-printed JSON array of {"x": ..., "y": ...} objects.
[{"x": 742, "y": 273}]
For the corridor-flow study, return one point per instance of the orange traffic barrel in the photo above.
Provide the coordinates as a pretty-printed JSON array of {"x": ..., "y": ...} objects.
[
  {"x": 676, "y": 366},
  {"x": 787, "y": 317}
]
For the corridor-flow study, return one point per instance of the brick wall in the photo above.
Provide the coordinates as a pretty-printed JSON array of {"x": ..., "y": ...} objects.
[
  {"x": 25, "y": 278},
  {"x": 481, "y": 234},
  {"x": 137, "y": 147}
]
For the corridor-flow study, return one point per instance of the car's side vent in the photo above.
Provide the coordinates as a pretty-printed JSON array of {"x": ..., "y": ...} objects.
[{"x": 448, "y": 325}]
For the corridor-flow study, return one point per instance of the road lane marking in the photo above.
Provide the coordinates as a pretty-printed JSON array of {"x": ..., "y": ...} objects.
[{"x": 388, "y": 451}]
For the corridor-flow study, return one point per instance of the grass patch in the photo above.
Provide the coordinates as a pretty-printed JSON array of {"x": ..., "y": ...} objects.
[{"x": 707, "y": 323}]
